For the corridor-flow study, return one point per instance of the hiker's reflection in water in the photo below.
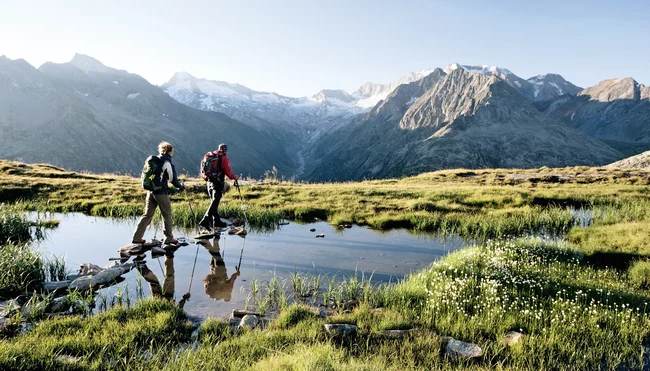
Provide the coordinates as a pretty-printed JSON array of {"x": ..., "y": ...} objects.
[
  {"x": 217, "y": 284},
  {"x": 167, "y": 289}
]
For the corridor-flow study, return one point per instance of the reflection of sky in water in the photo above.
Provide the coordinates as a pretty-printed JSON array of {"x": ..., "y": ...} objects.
[{"x": 390, "y": 255}]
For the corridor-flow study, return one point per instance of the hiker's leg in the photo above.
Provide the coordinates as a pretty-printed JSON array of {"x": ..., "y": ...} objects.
[
  {"x": 168, "y": 283},
  {"x": 154, "y": 284},
  {"x": 217, "y": 191},
  {"x": 149, "y": 210},
  {"x": 212, "y": 214},
  {"x": 165, "y": 204}
]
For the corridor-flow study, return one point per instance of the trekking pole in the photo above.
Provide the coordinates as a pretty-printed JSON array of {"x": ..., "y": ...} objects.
[
  {"x": 241, "y": 253},
  {"x": 191, "y": 209},
  {"x": 242, "y": 202}
]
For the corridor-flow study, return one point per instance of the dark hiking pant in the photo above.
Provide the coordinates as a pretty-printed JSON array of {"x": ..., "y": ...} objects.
[
  {"x": 153, "y": 201},
  {"x": 215, "y": 190}
]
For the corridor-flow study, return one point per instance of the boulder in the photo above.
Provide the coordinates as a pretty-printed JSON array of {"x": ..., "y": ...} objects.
[
  {"x": 512, "y": 338},
  {"x": 341, "y": 329},
  {"x": 249, "y": 321},
  {"x": 240, "y": 313},
  {"x": 322, "y": 235},
  {"x": 459, "y": 349}
]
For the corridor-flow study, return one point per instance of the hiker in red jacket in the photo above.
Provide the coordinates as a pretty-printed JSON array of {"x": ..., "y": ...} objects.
[{"x": 215, "y": 174}]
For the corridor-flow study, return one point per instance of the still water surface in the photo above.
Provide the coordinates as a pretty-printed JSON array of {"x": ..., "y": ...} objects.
[{"x": 216, "y": 289}]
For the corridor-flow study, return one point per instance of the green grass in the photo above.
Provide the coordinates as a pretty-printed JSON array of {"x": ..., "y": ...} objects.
[
  {"x": 21, "y": 269},
  {"x": 14, "y": 227},
  {"x": 573, "y": 314},
  {"x": 581, "y": 301},
  {"x": 474, "y": 204}
]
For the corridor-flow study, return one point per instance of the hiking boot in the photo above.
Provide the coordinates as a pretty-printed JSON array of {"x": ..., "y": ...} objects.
[
  {"x": 171, "y": 242},
  {"x": 139, "y": 242},
  {"x": 139, "y": 259},
  {"x": 220, "y": 224}
]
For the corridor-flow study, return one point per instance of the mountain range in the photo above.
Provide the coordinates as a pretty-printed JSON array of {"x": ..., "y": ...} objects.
[{"x": 83, "y": 115}]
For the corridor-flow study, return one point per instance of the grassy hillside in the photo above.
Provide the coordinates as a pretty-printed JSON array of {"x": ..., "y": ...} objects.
[{"x": 581, "y": 300}]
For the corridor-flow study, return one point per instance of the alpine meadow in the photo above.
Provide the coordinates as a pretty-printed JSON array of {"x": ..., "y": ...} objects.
[{"x": 226, "y": 186}]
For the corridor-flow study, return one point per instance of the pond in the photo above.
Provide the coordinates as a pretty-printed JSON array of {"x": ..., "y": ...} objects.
[{"x": 216, "y": 289}]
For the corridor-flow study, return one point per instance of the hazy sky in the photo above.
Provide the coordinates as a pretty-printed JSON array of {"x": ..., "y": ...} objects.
[{"x": 299, "y": 47}]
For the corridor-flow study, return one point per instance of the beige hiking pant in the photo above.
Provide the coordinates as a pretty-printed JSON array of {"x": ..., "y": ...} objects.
[
  {"x": 167, "y": 289},
  {"x": 164, "y": 203}
]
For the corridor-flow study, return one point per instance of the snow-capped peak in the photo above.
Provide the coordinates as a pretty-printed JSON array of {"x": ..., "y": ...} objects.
[
  {"x": 483, "y": 69},
  {"x": 370, "y": 94}
]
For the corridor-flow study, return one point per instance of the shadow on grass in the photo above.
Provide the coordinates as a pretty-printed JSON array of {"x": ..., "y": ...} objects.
[{"x": 620, "y": 261}]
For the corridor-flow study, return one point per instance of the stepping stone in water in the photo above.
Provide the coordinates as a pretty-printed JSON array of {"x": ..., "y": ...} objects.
[
  {"x": 204, "y": 236},
  {"x": 238, "y": 231},
  {"x": 322, "y": 235}
]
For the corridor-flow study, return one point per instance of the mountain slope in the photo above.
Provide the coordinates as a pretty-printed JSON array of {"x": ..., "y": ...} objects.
[
  {"x": 616, "y": 111},
  {"x": 463, "y": 120},
  {"x": 83, "y": 115},
  {"x": 640, "y": 161},
  {"x": 537, "y": 89}
]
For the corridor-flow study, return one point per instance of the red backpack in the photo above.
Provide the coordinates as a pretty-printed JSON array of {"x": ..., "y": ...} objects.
[{"x": 211, "y": 166}]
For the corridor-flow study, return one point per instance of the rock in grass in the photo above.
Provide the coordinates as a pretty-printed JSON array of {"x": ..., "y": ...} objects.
[
  {"x": 249, "y": 321},
  {"x": 341, "y": 329},
  {"x": 513, "y": 337},
  {"x": 240, "y": 313},
  {"x": 396, "y": 334},
  {"x": 460, "y": 349},
  {"x": 64, "y": 358},
  {"x": 322, "y": 235}
]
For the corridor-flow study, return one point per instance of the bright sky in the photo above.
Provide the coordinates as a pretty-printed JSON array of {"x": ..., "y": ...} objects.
[{"x": 297, "y": 48}]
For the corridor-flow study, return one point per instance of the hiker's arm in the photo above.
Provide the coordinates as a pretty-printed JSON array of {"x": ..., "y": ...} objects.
[
  {"x": 174, "y": 179},
  {"x": 226, "y": 168}
]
